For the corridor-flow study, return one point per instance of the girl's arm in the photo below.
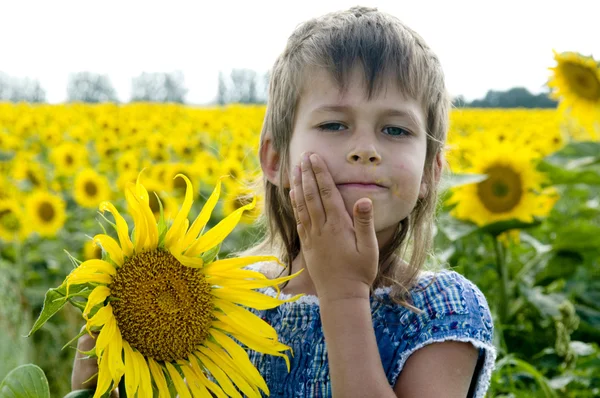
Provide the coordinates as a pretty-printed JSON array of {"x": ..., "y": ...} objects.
[{"x": 436, "y": 370}]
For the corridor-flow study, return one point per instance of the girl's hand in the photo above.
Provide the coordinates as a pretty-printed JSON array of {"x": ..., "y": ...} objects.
[
  {"x": 341, "y": 256},
  {"x": 84, "y": 368}
]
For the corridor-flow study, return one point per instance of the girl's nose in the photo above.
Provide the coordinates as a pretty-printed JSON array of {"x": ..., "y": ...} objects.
[{"x": 367, "y": 155}]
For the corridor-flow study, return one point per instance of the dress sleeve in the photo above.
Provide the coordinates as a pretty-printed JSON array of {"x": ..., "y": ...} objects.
[{"x": 454, "y": 309}]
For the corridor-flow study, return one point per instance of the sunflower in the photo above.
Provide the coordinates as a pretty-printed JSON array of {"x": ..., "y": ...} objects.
[
  {"x": 68, "y": 158},
  {"x": 29, "y": 171},
  {"x": 128, "y": 162},
  {"x": 512, "y": 189},
  {"x": 576, "y": 81},
  {"x": 90, "y": 188},
  {"x": 46, "y": 212},
  {"x": 12, "y": 222},
  {"x": 166, "y": 310}
]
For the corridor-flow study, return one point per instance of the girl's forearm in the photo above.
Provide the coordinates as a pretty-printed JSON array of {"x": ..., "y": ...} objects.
[{"x": 354, "y": 363}]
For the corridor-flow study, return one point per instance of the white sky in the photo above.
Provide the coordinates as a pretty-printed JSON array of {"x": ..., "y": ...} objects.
[{"x": 482, "y": 44}]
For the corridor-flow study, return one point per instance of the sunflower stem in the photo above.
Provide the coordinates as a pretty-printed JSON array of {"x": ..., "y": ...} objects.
[{"x": 503, "y": 274}]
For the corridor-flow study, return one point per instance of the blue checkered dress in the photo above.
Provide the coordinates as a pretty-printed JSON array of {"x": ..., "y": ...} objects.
[{"x": 453, "y": 309}]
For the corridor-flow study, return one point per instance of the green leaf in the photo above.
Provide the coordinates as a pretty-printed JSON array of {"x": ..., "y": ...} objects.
[
  {"x": 210, "y": 255},
  {"x": 25, "y": 381},
  {"x": 576, "y": 154},
  {"x": 499, "y": 227},
  {"x": 560, "y": 176},
  {"x": 577, "y": 235},
  {"x": 55, "y": 299},
  {"x": 80, "y": 394}
]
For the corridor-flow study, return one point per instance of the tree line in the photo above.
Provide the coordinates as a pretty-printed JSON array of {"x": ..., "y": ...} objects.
[{"x": 244, "y": 86}]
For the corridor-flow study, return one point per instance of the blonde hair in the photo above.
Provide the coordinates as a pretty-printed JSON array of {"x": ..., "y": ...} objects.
[{"x": 384, "y": 47}]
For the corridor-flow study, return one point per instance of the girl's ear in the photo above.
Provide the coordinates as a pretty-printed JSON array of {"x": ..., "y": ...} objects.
[
  {"x": 438, "y": 167},
  {"x": 270, "y": 162}
]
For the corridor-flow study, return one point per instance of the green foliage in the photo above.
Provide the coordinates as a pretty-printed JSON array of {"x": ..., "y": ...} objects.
[
  {"x": 26, "y": 381},
  {"x": 547, "y": 310}
]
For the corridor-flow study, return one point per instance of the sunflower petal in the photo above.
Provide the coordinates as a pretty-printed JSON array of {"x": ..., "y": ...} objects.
[
  {"x": 106, "y": 334},
  {"x": 104, "y": 379},
  {"x": 159, "y": 378},
  {"x": 145, "y": 387},
  {"x": 140, "y": 229},
  {"x": 144, "y": 201},
  {"x": 217, "y": 355},
  {"x": 218, "y": 233},
  {"x": 238, "y": 262},
  {"x": 244, "y": 318},
  {"x": 100, "y": 318},
  {"x": 97, "y": 296},
  {"x": 203, "y": 217},
  {"x": 240, "y": 357},
  {"x": 122, "y": 228},
  {"x": 251, "y": 298},
  {"x": 176, "y": 232},
  {"x": 193, "y": 381},
  {"x": 88, "y": 277},
  {"x": 111, "y": 247},
  {"x": 212, "y": 386},
  {"x": 180, "y": 386},
  {"x": 219, "y": 375},
  {"x": 132, "y": 371},
  {"x": 116, "y": 365},
  {"x": 97, "y": 266},
  {"x": 192, "y": 262},
  {"x": 247, "y": 382},
  {"x": 254, "y": 342}
]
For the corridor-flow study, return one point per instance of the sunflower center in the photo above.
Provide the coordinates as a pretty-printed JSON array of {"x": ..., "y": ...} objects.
[
  {"x": 46, "y": 212},
  {"x": 582, "y": 81},
  {"x": 502, "y": 191},
  {"x": 90, "y": 188},
  {"x": 162, "y": 307},
  {"x": 69, "y": 160},
  {"x": 9, "y": 220}
]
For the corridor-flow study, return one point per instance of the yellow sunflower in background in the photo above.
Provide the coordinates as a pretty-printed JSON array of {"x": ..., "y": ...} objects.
[
  {"x": 68, "y": 158},
  {"x": 92, "y": 251},
  {"x": 512, "y": 189},
  {"x": 13, "y": 225},
  {"x": 128, "y": 162},
  {"x": 27, "y": 169},
  {"x": 165, "y": 310},
  {"x": 46, "y": 212},
  {"x": 576, "y": 82},
  {"x": 90, "y": 188}
]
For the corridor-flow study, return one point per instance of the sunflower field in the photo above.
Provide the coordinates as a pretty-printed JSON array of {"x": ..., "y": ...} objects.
[{"x": 519, "y": 216}]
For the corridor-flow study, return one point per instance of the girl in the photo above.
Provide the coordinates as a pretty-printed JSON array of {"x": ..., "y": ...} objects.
[{"x": 351, "y": 152}]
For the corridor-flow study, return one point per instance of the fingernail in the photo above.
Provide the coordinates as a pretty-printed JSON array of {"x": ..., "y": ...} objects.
[
  {"x": 313, "y": 158},
  {"x": 364, "y": 206}
]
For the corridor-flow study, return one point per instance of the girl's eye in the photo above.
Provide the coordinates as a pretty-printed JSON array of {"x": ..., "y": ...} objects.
[
  {"x": 332, "y": 126},
  {"x": 396, "y": 131}
]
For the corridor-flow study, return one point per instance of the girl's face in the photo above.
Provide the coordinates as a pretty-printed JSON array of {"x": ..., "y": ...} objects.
[{"x": 373, "y": 148}]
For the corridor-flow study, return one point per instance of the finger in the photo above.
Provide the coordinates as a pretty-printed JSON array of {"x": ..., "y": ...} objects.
[
  {"x": 311, "y": 193},
  {"x": 302, "y": 216},
  {"x": 299, "y": 228},
  {"x": 330, "y": 195},
  {"x": 364, "y": 226}
]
